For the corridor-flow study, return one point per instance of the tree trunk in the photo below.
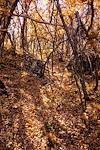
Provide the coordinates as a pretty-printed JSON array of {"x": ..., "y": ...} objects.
[{"x": 5, "y": 21}]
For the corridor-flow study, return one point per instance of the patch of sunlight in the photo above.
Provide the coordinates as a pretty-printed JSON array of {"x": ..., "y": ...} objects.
[
  {"x": 29, "y": 108},
  {"x": 33, "y": 127},
  {"x": 24, "y": 73}
]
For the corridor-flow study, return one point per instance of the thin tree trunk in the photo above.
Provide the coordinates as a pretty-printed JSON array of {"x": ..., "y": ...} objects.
[{"x": 5, "y": 21}]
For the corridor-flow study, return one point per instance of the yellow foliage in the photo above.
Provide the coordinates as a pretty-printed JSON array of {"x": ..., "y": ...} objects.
[
  {"x": 5, "y": 10},
  {"x": 83, "y": 1},
  {"x": 1, "y": 2},
  {"x": 97, "y": 3},
  {"x": 71, "y": 1},
  {"x": 71, "y": 11}
]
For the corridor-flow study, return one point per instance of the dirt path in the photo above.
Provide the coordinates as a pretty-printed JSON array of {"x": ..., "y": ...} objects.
[{"x": 36, "y": 117}]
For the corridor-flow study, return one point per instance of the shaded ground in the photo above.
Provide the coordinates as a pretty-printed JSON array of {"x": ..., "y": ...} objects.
[{"x": 45, "y": 117}]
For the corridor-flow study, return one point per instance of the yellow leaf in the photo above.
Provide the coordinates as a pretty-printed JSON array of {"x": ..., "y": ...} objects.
[{"x": 24, "y": 73}]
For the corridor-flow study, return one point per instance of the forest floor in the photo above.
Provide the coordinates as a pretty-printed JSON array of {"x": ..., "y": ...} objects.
[{"x": 39, "y": 116}]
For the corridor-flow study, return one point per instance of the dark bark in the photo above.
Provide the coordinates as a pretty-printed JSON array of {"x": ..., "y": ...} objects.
[
  {"x": 5, "y": 23},
  {"x": 72, "y": 38},
  {"x": 3, "y": 90}
]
